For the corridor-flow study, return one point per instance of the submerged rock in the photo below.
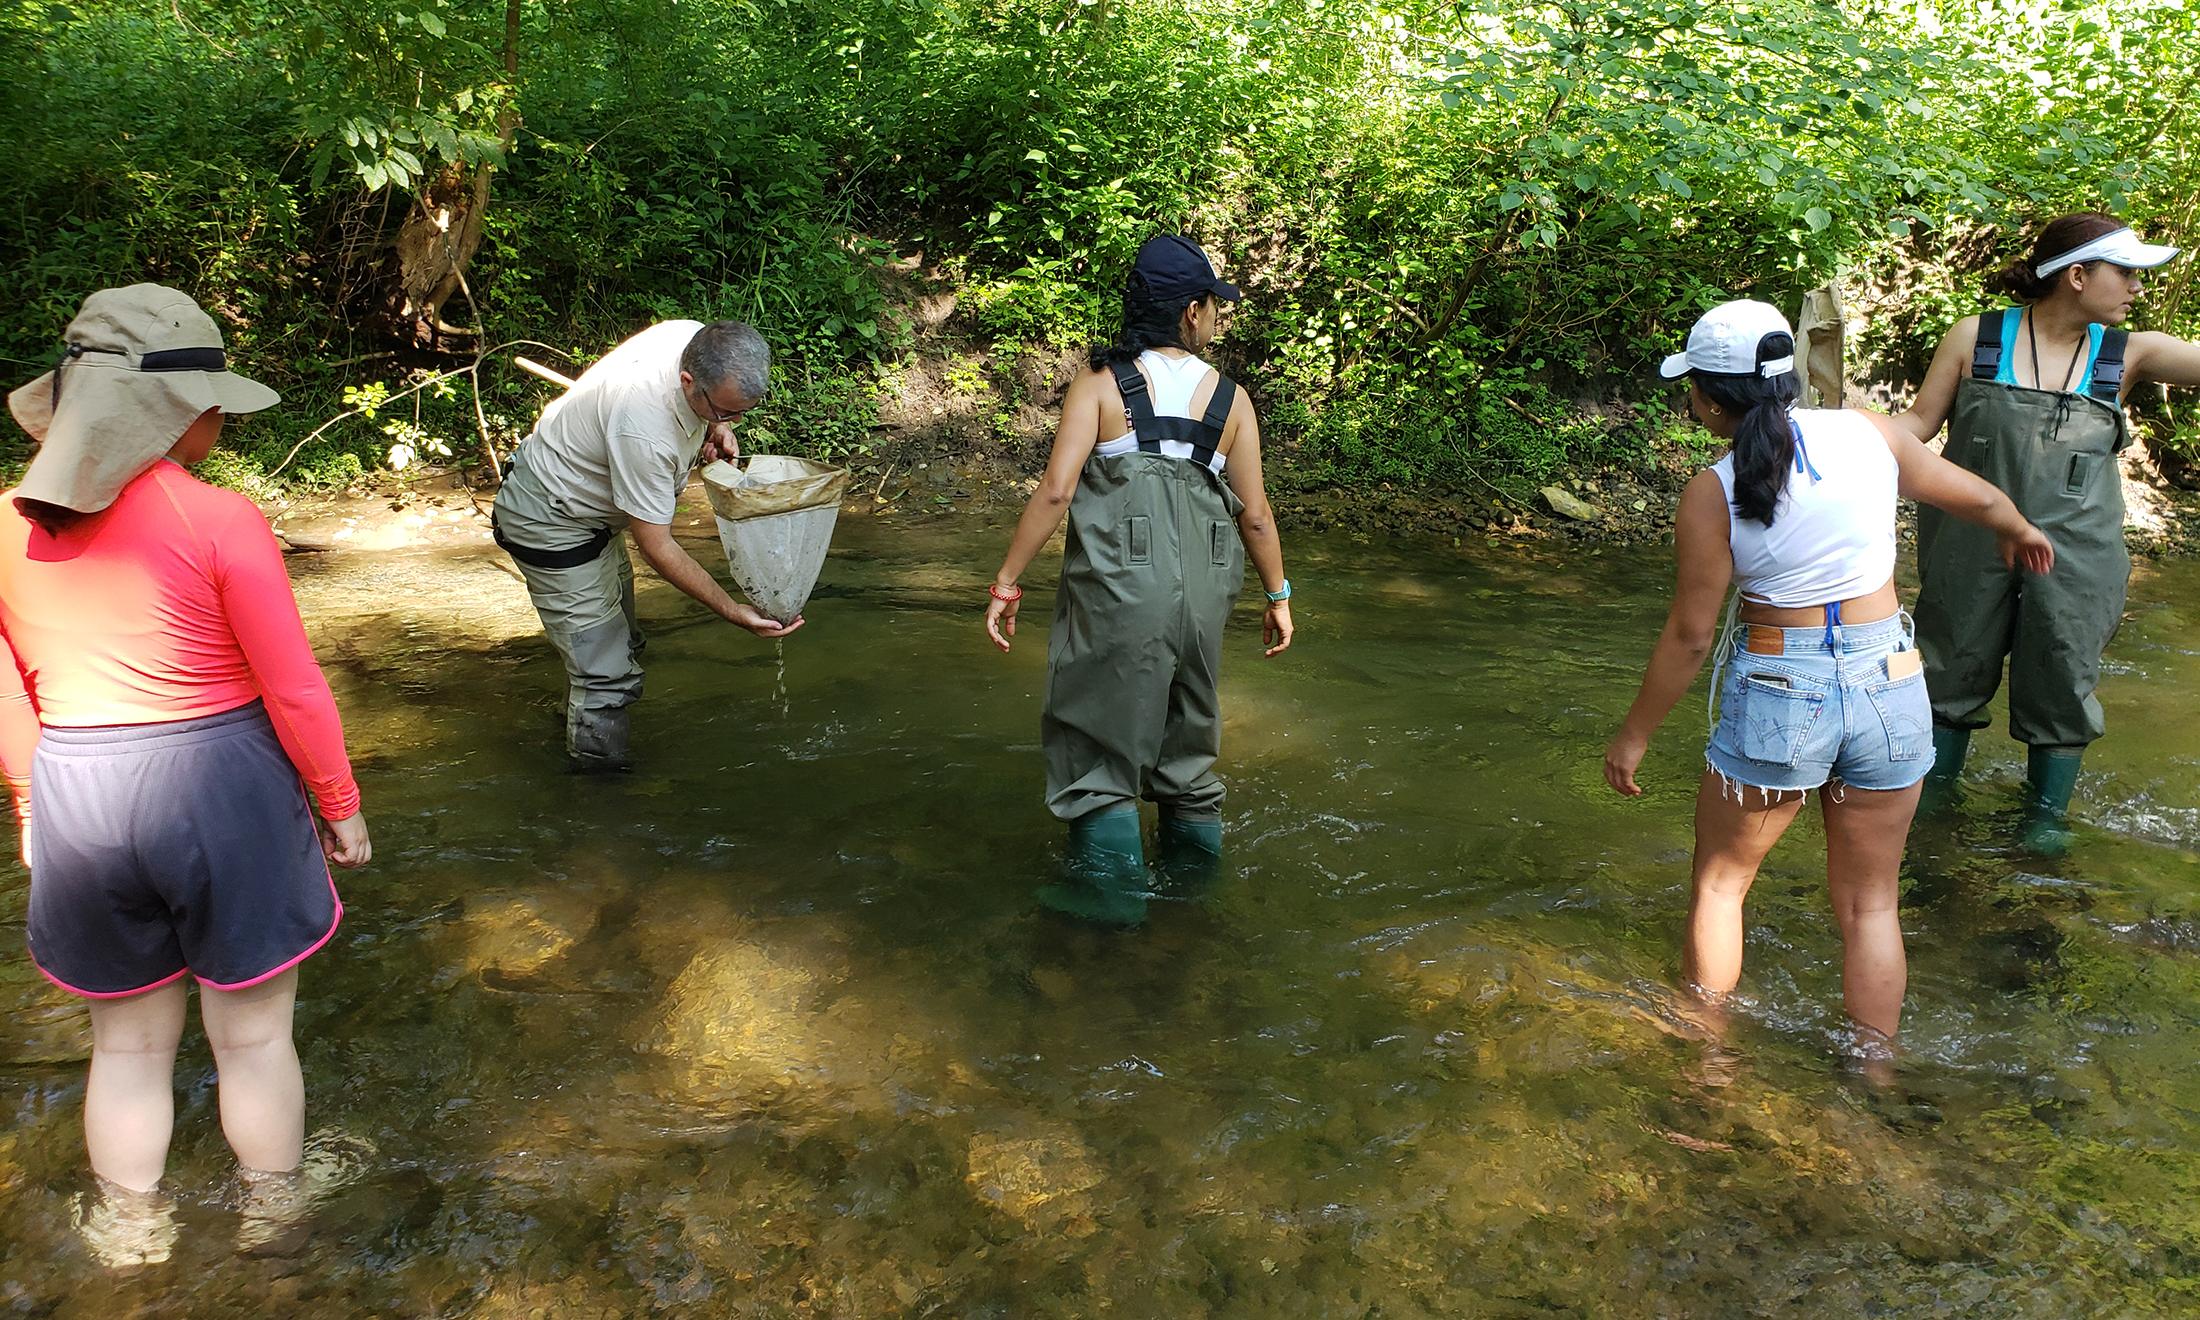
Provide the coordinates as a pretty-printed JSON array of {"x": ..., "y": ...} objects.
[
  {"x": 738, "y": 1020},
  {"x": 1042, "y": 1180},
  {"x": 516, "y": 935}
]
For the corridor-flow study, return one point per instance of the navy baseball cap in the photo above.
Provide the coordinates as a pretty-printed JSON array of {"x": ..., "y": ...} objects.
[{"x": 1173, "y": 267}]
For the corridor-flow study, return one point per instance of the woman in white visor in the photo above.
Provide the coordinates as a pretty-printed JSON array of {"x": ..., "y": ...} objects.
[{"x": 2033, "y": 399}]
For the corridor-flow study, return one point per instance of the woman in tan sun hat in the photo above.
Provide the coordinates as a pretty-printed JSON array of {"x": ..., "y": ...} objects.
[{"x": 162, "y": 726}]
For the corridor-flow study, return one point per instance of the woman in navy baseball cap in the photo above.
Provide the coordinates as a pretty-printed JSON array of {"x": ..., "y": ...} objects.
[{"x": 1157, "y": 467}]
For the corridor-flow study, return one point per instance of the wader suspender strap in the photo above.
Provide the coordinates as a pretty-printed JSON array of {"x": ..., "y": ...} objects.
[
  {"x": 2108, "y": 368},
  {"x": 2108, "y": 365},
  {"x": 1137, "y": 404},
  {"x": 1986, "y": 352},
  {"x": 571, "y": 557},
  {"x": 1216, "y": 417},
  {"x": 1203, "y": 434}
]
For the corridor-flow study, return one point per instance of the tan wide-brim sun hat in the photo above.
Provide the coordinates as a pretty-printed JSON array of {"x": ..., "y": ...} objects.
[{"x": 141, "y": 365}]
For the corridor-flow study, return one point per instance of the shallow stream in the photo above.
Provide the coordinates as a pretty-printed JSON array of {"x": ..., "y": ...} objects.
[{"x": 775, "y": 1026}]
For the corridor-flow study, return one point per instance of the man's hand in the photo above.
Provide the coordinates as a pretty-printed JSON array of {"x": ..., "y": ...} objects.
[
  {"x": 720, "y": 443},
  {"x": 760, "y": 623}
]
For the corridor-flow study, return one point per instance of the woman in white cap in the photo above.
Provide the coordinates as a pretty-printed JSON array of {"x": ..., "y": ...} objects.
[
  {"x": 1821, "y": 687},
  {"x": 167, "y": 738},
  {"x": 2033, "y": 399}
]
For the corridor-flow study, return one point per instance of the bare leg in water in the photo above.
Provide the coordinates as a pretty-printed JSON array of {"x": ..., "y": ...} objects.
[
  {"x": 1735, "y": 828},
  {"x": 130, "y": 1098},
  {"x": 1865, "y": 835},
  {"x": 263, "y": 1094}
]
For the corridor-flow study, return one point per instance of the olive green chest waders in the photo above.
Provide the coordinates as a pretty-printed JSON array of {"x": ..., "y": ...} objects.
[
  {"x": 1150, "y": 571},
  {"x": 2054, "y": 453}
]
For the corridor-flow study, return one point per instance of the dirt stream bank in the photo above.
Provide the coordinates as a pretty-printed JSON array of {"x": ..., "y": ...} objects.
[{"x": 1632, "y": 506}]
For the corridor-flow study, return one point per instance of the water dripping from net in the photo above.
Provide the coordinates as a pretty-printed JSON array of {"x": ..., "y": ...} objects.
[{"x": 779, "y": 677}]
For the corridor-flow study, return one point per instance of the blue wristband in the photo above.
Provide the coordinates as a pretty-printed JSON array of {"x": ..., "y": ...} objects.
[{"x": 1278, "y": 597}]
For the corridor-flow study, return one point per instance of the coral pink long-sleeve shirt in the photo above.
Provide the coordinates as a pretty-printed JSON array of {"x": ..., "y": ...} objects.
[{"x": 170, "y": 604}]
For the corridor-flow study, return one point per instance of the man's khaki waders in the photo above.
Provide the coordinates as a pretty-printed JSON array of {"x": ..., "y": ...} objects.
[
  {"x": 1152, "y": 567},
  {"x": 582, "y": 585},
  {"x": 2054, "y": 453}
]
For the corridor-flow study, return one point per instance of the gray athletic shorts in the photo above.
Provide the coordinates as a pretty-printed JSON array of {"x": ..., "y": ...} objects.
[{"x": 161, "y": 849}]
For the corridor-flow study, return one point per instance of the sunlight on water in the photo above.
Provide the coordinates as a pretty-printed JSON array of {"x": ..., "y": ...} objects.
[{"x": 775, "y": 1025}]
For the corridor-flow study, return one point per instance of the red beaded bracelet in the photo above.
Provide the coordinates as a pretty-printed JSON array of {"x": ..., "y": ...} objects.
[{"x": 1013, "y": 593}]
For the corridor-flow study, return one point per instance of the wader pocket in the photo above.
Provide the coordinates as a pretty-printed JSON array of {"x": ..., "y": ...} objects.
[
  {"x": 1218, "y": 545},
  {"x": 2081, "y": 473},
  {"x": 1767, "y": 721},
  {"x": 1907, "y": 715},
  {"x": 1140, "y": 549}
]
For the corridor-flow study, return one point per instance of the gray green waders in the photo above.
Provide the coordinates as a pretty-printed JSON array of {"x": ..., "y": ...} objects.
[
  {"x": 1150, "y": 571},
  {"x": 2054, "y": 454}
]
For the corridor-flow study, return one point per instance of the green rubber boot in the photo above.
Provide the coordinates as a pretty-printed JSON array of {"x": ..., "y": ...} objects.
[
  {"x": 1190, "y": 849},
  {"x": 2050, "y": 776},
  {"x": 1104, "y": 871},
  {"x": 1950, "y": 746}
]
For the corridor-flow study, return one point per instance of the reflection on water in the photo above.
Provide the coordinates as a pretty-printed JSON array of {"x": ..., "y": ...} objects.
[{"x": 775, "y": 1026}]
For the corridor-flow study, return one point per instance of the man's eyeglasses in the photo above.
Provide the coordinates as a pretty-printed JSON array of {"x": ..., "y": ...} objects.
[{"x": 713, "y": 411}]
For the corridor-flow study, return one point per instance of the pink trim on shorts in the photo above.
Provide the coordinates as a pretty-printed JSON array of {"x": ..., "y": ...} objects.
[
  {"x": 311, "y": 949},
  {"x": 169, "y": 979}
]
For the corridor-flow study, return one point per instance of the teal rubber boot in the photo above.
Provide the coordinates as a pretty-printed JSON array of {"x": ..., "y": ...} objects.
[
  {"x": 2050, "y": 776},
  {"x": 1190, "y": 848},
  {"x": 1950, "y": 746},
  {"x": 1104, "y": 872}
]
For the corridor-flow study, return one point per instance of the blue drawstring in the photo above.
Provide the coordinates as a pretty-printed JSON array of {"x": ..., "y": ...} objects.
[
  {"x": 1833, "y": 621},
  {"x": 1802, "y": 455}
]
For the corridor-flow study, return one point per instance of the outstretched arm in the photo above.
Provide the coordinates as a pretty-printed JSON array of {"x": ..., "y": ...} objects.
[
  {"x": 1930, "y": 479},
  {"x": 675, "y": 565},
  {"x": 2152, "y": 355},
  {"x": 1706, "y": 568}
]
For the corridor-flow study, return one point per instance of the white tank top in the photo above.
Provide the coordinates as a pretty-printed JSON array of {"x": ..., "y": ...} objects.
[
  {"x": 1832, "y": 536},
  {"x": 1170, "y": 384}
]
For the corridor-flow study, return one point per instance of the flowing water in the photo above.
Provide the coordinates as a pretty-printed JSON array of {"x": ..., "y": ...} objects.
[{"x": 776, "y": 1027}]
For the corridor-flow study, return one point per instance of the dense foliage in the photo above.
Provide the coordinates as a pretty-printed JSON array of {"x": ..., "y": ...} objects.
[{"x": 1463, "y": 227}]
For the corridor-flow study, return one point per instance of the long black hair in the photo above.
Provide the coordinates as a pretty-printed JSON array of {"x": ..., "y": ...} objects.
[
  {"x": 1764, "y": 442},
  {"x": 1148, "y": 322}
]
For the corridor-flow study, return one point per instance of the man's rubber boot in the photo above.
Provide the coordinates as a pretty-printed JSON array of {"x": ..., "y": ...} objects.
[
  {"x": 1190, "y": 848},
  {"x": 2050, "y": 776},
  {"x": 597, "y": 739},
  {"x": 1104, "y": 873},
  {"x": 1950, "y": 746}
]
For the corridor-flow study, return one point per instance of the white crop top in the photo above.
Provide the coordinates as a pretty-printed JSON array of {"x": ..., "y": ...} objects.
[
  {"x": 1171, "y": 383},
  {"x": 1832, "y": 536}
]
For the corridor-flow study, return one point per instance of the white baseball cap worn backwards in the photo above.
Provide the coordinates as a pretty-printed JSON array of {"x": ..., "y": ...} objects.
[{"x": 1725, "y": 342}]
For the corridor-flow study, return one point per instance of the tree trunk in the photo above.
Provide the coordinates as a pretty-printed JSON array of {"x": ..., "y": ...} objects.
[{"x": 442, "y": 230}]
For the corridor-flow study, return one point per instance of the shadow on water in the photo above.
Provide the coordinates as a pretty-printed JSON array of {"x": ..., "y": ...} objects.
[{"x": 775, "y": 1026}]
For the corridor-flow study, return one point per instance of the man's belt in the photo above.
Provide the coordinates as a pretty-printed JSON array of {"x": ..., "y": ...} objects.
[{"x": 570, "y": 557}]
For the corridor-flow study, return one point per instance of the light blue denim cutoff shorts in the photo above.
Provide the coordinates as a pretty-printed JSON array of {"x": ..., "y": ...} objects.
[{"x": 1820, "y": 712}]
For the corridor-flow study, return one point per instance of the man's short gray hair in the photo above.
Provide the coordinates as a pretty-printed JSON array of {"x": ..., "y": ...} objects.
[{"x": 729, "y": 353}]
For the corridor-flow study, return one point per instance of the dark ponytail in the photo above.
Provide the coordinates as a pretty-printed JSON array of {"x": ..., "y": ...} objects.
[
  {"x": 1148, "y": 322},
  {"x": 2020, "y": 279},
  {"x": 1764, "y": 442}
]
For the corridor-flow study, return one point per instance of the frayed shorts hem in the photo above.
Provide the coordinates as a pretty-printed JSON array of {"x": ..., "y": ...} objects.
[{"x": 1737, "y": 782}]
